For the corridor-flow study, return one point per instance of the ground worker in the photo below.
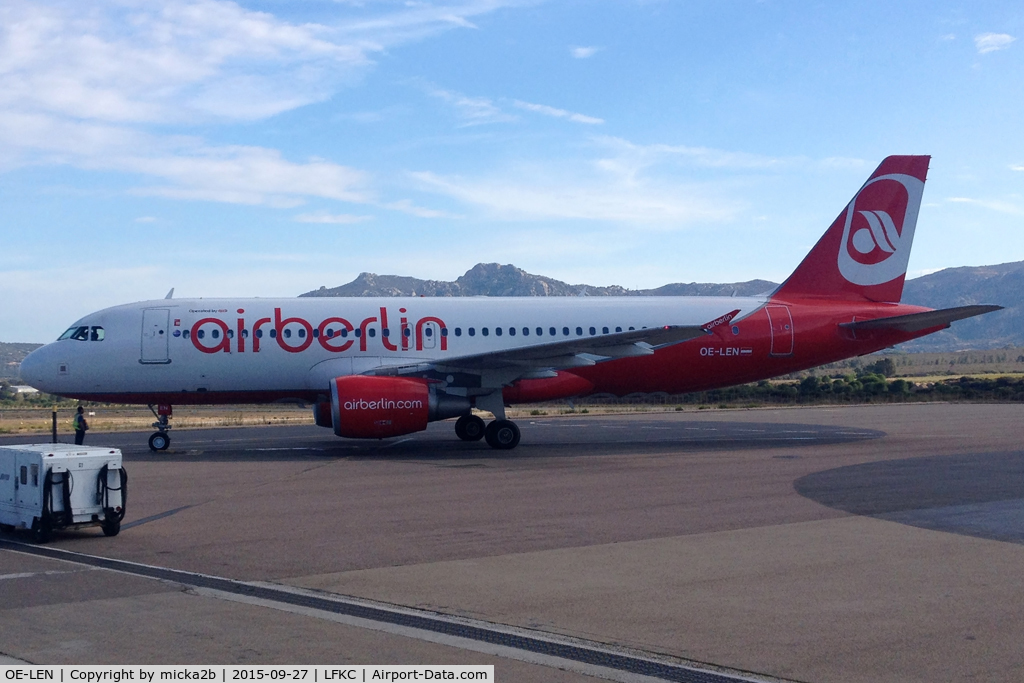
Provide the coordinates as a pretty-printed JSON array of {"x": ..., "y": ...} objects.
[{"x": 80, "y": 426}]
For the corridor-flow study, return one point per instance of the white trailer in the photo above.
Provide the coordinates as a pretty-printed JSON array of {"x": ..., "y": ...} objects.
[{"x": 56, "y": 486}]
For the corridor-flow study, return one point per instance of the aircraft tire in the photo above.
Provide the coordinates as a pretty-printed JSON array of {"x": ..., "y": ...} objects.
[
  {"x": 159, "y": 441},
  {"x": 470, "y": 428},
  {"x": 502, "y": 435}
]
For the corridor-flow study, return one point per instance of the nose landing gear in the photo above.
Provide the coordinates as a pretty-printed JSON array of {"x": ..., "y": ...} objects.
[{"x": 160, "y": 440}]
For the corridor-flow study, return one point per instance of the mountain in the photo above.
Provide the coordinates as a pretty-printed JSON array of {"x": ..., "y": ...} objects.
[
  {"x": 11, "y": 356},
  {"x": 492, "y": 279},
  {"x": 1000, "y": 284}
]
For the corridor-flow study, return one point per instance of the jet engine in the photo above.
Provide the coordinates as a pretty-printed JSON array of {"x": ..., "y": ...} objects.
[{"x": 364, "y": 407}]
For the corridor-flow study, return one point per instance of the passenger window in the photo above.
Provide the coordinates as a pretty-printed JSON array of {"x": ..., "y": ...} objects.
[
  {"x": 579, "y": 331},
  {"x": 273, "y": 334},
  {"x": 483, "y": 331},
  {"x": 472, "y": 332},
  {"x": 631, "y": 329},
  {"x": 231, "y": 334},
  {"x": 604, "y": 330},
  {"x": 458, "y": 331},
  {"x": 185, "y": 334},
  {"x": 259, "y": 334},
  {"x": 618, "y": 329},
  {"x": 526, "y": 331},
  {"x": 407, "y": 332},
  {"x": 429, "y": 331},
  {"x": 330, "y": 332},
  {"x": 386, "y": 332},
  {"x": 97, "y": 334},
  {"x": 344, "y": 332},
  {"x": 358, "y": 333},
  {"x": 302, "y": 333},
  {"x": 316, "y": 334},
  {"x": 497, "y": 331},
  {"x": 201, "y": 333},
  {"x": 215, "y": 333},
  {"x": 287, "y": 333},
  {"x": 444, "y": 331},
  {"x": 540, "y": 331},
  {"x": 35, "y": 475},
  {"x": 245, "y": 334},
  {"x": 372, "y": 332},
  {"x": 552, "y": 331},
  {"x": 593, "y": 331}
]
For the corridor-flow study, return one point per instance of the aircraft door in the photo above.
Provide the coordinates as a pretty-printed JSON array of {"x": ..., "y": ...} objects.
[
  {"x": 155, "y": 335},
  {"x": 781, "y": 322}
]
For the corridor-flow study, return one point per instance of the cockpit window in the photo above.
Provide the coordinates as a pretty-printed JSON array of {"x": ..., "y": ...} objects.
[
  {"x": 76, "y": 333},
  {"x": 97, "y": 334}
]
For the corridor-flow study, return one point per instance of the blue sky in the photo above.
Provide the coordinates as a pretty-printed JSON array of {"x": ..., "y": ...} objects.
[{"x": 268, "y": 148}]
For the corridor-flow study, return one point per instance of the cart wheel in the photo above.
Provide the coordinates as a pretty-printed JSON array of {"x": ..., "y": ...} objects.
[
  {"x": 41, "y": 530},
  {"x": 111, "y": 526}
]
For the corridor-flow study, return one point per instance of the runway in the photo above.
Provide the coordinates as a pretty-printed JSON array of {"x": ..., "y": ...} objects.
[{"x": 877, "y": 543}]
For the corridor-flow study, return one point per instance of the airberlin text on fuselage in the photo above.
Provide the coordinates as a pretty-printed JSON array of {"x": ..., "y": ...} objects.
[
  {"x": 328, "y": 333},
  {"x": 381, "y": 404}
]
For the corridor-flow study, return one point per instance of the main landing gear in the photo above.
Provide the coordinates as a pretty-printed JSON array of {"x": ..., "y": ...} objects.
[
  {"x": 500, "y": 434},
  {"x": 160, "y": 440}
]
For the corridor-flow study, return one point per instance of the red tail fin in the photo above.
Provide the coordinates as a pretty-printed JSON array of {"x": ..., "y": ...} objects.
[{"x": 864, "y": 255}]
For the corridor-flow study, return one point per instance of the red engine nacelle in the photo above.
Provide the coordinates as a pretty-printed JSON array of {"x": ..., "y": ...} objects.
[{"x": 378, "y": 407}]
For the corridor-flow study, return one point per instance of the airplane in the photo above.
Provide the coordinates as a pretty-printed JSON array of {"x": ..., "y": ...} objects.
[{"x": 385, "y": 367}]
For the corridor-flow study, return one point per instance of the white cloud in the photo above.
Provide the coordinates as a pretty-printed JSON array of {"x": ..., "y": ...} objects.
[
  {"x": 558, "y": 113},
  {"x": 81, "y": 83},
  {"x": 990, "y": 42},
  {"x": 583, "y": 52},
  {"x": 145, "y": 219},
  {"x": 185, "y": 167},
  {"x": 1017, "y": 167},
  {"x": 406, "y": 206},
  {"x": 332, "y": 218},
  {"x": 541, "y": 196},
  {"x": 169, "y": 61},
  {"x": 990, "y": 204},
  {"x": 473, "y": 110}
]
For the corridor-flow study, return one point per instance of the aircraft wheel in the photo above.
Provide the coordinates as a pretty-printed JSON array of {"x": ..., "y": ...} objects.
[
  {"x": 502, "y": 435},
  {"x": 159, "y": 441},
  {"x": 470, "y": 428}
]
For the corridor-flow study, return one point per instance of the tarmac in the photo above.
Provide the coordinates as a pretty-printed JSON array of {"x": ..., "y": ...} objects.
[{"x": 865, "y": 543}]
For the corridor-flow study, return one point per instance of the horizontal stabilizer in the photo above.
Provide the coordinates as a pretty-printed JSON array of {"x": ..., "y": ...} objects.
[{"x": 915, "y": 322}]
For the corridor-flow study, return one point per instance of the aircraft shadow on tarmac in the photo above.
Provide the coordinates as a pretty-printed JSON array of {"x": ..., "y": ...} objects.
[
  {"x": 978, "y": 495},
  {"x": 588, "y": 437}
]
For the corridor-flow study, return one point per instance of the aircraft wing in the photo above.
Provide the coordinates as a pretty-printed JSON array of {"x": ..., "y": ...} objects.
[
  {"x": 915, "y": 322},
  {"x": 569, "y": 353}
]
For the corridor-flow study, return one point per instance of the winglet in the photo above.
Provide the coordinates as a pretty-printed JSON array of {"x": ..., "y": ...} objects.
[{"x": 170, "y": 294}]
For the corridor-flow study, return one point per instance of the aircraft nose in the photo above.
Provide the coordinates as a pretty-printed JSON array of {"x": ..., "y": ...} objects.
[{"x": 33, "y": 367}]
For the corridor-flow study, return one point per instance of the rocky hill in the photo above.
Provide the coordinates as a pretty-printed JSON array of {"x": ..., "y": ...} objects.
[
  {"x": 11, "y": 356},
  {"x": 1000, "y": 284},
  {"x": 492, "y": 279}
]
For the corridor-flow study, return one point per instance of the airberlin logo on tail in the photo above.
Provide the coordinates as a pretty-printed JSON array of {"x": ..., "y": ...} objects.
[{"x": 879, "y": 229}]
